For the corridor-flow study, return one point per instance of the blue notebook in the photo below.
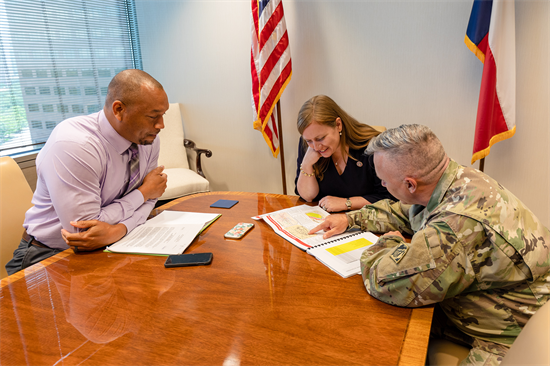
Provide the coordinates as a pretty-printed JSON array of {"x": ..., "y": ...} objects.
[{"x": 224, "y": 204}]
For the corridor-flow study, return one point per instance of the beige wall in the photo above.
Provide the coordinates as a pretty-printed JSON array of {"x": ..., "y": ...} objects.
[{"x": 385, "y": 62}]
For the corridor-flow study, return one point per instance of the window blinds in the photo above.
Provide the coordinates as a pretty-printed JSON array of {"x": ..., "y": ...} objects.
[{"x": 56, "y": 61}]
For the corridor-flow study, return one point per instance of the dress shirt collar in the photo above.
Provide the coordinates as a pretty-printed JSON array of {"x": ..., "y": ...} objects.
[{"x": 120, "y": 144}]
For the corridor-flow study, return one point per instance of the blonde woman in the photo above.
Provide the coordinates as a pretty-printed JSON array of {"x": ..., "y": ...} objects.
[{"x": 331, "y": 166}]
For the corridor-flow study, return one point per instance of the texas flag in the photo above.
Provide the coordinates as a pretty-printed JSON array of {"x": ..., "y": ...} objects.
[{"x": 491, "y": 36}]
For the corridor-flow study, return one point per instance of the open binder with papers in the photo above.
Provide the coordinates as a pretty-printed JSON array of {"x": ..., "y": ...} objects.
[
  {"x": 168, "y": 233},
  {"x": 341, "y": 253}
]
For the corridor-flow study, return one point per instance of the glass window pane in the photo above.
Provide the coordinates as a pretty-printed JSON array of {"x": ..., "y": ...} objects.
[
  {"x": 90, "y": 90},
  {"x": 78, "y": 108},
  {"x": 104, "y": 72},
  {"x": 58, "y": 90},
  {"x": 42, "y": 74},
  {"x": 87, "y": 72},
  {"x": 57, "y": 61},
  {"x": 92, "y": 108},
  {"x": 36, "y": 124}
]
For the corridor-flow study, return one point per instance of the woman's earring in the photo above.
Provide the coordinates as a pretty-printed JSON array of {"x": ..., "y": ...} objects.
[{"x": 340, "y": 133}]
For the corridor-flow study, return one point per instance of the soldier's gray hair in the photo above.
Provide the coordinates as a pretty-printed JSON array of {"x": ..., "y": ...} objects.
[{"x": 415, "y": 150}]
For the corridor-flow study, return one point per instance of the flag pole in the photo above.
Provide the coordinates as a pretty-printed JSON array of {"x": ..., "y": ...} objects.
[
  {"x": 481, "y": 164},
  {"x": 281, "y": 145}
]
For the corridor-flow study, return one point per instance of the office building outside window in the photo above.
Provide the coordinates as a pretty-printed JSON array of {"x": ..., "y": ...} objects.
[{"x": 56, "y": 61}]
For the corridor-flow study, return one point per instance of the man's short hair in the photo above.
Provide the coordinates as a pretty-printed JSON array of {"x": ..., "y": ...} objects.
[
  {"x": 126, "y": 86},
  {"x": 415, "y": 150}
]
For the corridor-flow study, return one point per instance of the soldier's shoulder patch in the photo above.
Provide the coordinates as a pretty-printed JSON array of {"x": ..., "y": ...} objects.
[{"x": 399, "y": 252}]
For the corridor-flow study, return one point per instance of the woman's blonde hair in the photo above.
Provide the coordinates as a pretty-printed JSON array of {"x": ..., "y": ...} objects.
[{"x": 325, "y": 111}]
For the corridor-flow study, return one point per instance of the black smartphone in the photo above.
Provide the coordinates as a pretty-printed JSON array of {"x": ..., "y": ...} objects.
[{"x": 185, "y": 260}]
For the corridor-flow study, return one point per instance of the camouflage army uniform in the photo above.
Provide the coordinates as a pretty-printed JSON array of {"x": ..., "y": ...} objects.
[{"x": 476, "y": 250}]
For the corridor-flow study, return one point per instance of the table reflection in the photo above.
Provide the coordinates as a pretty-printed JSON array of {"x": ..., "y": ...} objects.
[
  {"x": 276, "y": 256},
  {"x": 103, "y": 305}
]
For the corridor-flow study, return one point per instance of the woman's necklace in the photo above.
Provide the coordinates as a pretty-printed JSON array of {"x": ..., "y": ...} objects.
[
  {"x": 340, "y": 168},
  {"x": 343, "y": 161}
]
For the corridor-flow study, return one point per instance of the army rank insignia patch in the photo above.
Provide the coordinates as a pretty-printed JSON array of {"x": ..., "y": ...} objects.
[{"x": 399, "y": 252}]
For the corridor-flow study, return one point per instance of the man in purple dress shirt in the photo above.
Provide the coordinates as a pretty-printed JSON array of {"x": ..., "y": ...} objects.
[{"x": 82, "y": 199}]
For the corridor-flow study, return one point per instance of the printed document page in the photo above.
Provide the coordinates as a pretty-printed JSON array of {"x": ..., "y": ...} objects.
[
  {"x": 294, "y": 224},
  {"x": 341, "y": 253},
  {"x": 343, "y": 256},
  {"x": 171, "y": 232}
]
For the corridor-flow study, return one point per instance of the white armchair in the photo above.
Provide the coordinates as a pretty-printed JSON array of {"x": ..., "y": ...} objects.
[{"x": 182, "y": 180}]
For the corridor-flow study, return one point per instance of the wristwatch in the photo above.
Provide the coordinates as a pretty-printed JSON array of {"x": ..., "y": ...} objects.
[{"x": 348, "y": 203}]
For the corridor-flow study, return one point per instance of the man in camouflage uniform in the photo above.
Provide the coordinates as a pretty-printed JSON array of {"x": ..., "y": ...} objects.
[{"x": 475, "y": 249}]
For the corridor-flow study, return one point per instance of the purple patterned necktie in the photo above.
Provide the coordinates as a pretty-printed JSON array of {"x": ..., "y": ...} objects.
[{"x": 134, "y": 168}]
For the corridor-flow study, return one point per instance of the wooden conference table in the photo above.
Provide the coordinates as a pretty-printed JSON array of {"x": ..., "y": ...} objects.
[{"x": 262, "y": 301}]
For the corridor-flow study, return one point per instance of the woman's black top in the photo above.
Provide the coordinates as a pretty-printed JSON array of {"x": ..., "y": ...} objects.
[{"x": 358, "y": 179}]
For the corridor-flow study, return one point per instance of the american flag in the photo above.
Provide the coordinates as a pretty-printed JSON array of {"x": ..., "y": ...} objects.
[{"x": 270, "y": 65}]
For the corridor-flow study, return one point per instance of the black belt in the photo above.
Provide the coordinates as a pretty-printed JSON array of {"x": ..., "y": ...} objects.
[{"x": 33, "y": 241}]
